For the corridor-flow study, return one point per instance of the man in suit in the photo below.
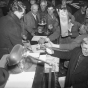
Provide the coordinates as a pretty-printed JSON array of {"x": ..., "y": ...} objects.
[
  {"x": 52, "y": 24},
  {"x": 10, "y": 27},
  {"x": 80, "y": 14},
  {"x": 31, "y": 21},
  {"x": 77, "y": 75}
]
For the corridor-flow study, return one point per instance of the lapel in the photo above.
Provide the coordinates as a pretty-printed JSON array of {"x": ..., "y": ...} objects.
[
  {"x": 74, "y": 60},
  {"x": 34, "y": 20},
  {"x": 82, "y": 66},
  {"x": 32, "y": 17}
]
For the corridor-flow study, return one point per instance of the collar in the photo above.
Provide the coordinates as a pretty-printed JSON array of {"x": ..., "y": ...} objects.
[
  {"x": 82, "y": 12},
  {"x": 16, "y": 19}
]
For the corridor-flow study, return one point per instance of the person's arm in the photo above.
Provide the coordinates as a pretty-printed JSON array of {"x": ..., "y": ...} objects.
[
  {"x": 15, "y": 38},
  {"x": 55, "y": 35},
  {"x": 70, "y": 46},
  {"x": 76, "y": 15},
  {"x": 63, "y": 54},
  {"x": 64, "y": 47},
  {"x": 75, "y": 29},
  {"x": 76, "y": 43},
  {"x": 28, "y": 24}
]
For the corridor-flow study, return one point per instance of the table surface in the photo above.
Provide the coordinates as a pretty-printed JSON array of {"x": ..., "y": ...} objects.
[{"x": 25, "y": 79}]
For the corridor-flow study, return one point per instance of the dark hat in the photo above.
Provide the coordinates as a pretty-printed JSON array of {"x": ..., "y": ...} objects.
[{"x": 3, "y": 76}]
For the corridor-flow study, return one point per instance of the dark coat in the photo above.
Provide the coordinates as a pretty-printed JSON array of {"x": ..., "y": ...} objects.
[
  {"x": 30, "y": 22},
  {"x": 79, "y": 17},
  {"x": 77, "y": 78},
  {"x": 56, "y": 29},
  {"x": 3, "y": 76},
  {"x": 10, "y": 32}
]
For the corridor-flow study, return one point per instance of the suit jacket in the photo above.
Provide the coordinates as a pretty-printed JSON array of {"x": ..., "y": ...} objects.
[
  {"x": 3, "y": 76},
  {"x": 56, "y": 29},
  {"x": 75, "y": 29},
  {"x": 30, "y": 23},
  {"x": 10, "y": 31},
  {"x": 79, "y": 17},
  {"x": 78, "y": 77}
]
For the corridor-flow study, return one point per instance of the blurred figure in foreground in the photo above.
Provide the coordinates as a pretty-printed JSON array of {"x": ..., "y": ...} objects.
[{"x": 10, "y": 28}]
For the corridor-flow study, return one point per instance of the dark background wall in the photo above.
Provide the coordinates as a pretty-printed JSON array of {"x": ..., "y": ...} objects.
[{"x": 6, "y": 8}]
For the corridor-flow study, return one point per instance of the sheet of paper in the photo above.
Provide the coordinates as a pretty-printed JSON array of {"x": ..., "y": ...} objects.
[
  {"x": 42, "y": 57},
  {"x": 21, "y": 80},
  {"x": 36, "y": 49},
  {"x": 36, "y": 38},
  {"x": 55, "y": 61}
]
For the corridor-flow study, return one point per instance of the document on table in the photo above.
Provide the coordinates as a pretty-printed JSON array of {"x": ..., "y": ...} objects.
[
  {"x": 36, "y": 38},
  {"x": 36, "y": 49},
  {"x": 21, "y": 80},
  {"x": 54, "y": 61}
]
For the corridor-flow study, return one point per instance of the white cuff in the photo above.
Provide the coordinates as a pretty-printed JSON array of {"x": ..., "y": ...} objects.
[{"x": 56, "y": 45}]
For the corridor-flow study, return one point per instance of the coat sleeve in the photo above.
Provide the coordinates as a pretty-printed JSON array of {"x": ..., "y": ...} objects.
[
  {"x": 63, "y": 54},
  {"x": 69, "y": 46},
  {"x": 75, "y": 30},
  {"x": 55, "y": 35},
  {"x": 28, "y": 24},
  {"x": 15, "y": 39},
  {"x": 4, "y": 75},
  {"x": 76, "y": 43}
]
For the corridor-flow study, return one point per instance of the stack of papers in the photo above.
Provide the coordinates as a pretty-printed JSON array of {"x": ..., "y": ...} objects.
[{"x": 36, "y": 38}]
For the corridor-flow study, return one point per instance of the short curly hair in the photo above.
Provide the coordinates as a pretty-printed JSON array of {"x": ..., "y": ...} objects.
[{"x": 17, "y": 6}]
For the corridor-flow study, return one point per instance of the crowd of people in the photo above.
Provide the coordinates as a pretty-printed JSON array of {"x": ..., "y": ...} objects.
[{"x": 27, "y": 19}]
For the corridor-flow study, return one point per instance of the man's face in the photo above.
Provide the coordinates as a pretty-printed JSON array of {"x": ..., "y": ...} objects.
[
  {"x": 85, "y": 49},
  {"x": 63, "y": 2},
  {"x": 20, "y": 14},
  {"x": 43, "y": 6},
  {"x": 50, "y": 10},
  {"x": 34, "y": 9},
  {"x": 32, "y": 2}
]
